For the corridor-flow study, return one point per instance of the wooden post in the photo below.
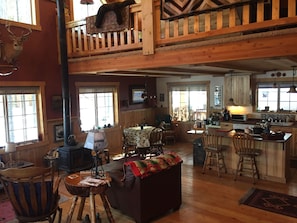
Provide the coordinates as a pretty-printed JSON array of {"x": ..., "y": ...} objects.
[{"x": 148, "y": 37}]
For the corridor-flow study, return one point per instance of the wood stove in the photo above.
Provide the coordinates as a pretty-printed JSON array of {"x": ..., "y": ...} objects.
[{"x": 75, "y": 158}]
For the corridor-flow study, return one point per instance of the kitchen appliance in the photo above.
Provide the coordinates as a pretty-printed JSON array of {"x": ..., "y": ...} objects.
[{"x": 237, "y": 117}]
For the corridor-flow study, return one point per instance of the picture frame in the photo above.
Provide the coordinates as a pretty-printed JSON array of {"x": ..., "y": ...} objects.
[
  {"x": 57, "y": 103},
  {"x": 58, "y": 132},
  {"x": 136, "y": 94}
]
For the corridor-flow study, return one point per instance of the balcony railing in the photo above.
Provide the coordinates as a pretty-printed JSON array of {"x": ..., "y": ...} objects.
[{"x": 257, "y": 17}]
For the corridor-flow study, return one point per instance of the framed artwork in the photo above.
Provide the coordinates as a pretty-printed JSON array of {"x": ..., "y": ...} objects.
[
  {"x": 58, "y": 132},
  {"x": 57, "y": 103},
  {"x": 162, "y": 97},
  {"x": 218, "y": 96},
  {"x": 136, "y": 94}
]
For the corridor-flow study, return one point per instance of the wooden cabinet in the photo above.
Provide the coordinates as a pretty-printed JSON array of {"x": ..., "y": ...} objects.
[
  {"x": 293, "y": 146},
  {"x": 238, "y": 87}
]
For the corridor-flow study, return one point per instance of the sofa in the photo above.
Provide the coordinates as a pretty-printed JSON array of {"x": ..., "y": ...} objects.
[{"x": 145, "y": 189}]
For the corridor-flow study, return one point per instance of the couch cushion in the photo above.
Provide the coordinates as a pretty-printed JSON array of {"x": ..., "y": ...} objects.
[{"x": 144, "y": 168}]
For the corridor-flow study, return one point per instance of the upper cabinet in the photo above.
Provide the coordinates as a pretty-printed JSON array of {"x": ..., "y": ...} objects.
[{"x": 238, "y": 87}]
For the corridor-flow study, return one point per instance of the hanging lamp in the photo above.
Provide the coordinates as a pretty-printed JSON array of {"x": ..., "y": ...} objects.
[
  {"x": 87, "y": 2},
  {"x": 293, "y": 87}
]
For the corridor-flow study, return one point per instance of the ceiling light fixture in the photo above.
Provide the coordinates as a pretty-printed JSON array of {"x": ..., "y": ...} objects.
[
  {"x": 87, "y": 2},
  {"x": 293, "y": 87}
]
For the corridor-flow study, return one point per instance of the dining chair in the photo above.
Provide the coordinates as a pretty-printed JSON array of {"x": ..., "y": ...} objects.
[
  {"x": 244, "y": 145},
  {"x": 212, "y": 144},
  {"x": 33, "y": 193},
  {"x": 156, "y": 144},
  {"x": 128, "y": 149}
]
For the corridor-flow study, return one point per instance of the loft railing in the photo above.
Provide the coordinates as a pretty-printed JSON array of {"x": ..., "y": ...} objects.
[
  {"x": 82, "y": 44},
  {"x": 258, "y": 17}
]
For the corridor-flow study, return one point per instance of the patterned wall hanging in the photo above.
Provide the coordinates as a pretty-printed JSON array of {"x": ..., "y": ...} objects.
[{"x": 178, "y": 8}]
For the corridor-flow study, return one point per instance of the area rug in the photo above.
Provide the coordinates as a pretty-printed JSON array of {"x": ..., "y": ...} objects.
[
  {"x": 6, "y": 212},
  {"x": 271, "y": 201}
]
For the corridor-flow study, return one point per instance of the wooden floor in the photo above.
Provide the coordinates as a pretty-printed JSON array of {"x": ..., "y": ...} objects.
[{"x": 206, "y": 197}]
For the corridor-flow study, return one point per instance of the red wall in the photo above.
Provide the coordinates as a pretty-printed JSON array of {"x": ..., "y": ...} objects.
[{"x": 39, "y": 62}]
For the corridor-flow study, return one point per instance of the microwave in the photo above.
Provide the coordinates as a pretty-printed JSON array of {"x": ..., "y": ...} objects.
[{"x": 240, "y": 118}]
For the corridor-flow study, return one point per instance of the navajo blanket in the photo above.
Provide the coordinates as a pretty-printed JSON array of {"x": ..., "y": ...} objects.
[
  {"x": 144, "y": 168},
  {"x": 178, "y": 8}
]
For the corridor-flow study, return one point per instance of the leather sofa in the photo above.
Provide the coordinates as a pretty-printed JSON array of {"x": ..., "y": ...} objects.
[{"x": 145, "y": 189}]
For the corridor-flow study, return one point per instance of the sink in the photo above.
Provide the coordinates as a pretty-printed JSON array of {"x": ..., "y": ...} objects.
[{"x": 281, "y": 123}]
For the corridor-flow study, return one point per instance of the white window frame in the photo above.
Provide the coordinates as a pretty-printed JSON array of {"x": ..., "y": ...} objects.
[
  {"x": 290, "y": 97},
  {"x": 99, "y": 88},
  {"x": 39, "y": 88},
  {"x": 191, "y": 115},
  {"x": 10, "y": 18}
]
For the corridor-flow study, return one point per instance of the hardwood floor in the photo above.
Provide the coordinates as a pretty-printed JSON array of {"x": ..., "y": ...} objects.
[{"x": 206, "y": 197}]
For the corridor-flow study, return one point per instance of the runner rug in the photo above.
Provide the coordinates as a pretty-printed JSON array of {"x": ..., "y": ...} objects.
[{"x": 271, "y": 201}]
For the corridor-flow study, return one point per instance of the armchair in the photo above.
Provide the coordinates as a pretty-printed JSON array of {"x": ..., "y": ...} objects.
[{"x": 33, "y": 193}]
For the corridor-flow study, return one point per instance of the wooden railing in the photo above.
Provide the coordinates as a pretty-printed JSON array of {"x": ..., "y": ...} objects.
[
  {"x": 82, "y": 44},
  {"x": 235, "y": 21}
]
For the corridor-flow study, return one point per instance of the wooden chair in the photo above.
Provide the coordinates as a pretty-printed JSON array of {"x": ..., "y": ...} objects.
[
  {"x": 156, "y": 144},
  {"x": 127, "y": 148},
  {"x": 212, "y": 144},
  {"x": 244, "y": 145},
  {"x": 33, "y": 193}
]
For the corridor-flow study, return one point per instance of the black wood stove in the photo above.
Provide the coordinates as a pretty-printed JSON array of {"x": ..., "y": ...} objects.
[{"x": 75, "y": 158}]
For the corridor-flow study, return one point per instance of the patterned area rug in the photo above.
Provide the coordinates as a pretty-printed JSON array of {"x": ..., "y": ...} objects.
[
  {"x": 271, "y": 201},
  {"x": 177, "y": 8},
  {"x": 6, "y": 213}
]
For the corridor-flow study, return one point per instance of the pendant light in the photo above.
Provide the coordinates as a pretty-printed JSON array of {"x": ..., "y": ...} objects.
[
  {"x": 87, "y": 2},
  {"x": 293, "y": 87}
]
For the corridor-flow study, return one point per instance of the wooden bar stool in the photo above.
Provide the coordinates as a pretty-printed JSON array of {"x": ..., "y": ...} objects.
[
  {"x": 244, "y": 145},
  {"x": 212, "y": 144}
]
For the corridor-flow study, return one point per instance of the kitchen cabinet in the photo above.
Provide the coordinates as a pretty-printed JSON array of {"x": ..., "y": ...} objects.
[
  {"x": 293, "y": 147},
  {"x": 237, "y": 87}
]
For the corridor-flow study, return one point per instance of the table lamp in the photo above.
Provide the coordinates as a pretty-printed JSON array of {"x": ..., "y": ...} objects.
[{"x": 96, "y": 140}]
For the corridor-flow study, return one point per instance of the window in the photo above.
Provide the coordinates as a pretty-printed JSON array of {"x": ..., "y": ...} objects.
[
  {"x": 188, "y": 101},
  {"x": 98, "y": 106},
  {"x": 19, "y": 114},
  {"x": 274, "y": 97},
  {"x": 24, "y": 11}
]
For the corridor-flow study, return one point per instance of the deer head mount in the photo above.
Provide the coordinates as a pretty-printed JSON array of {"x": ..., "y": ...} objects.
[{"x": 10, "y": 51}]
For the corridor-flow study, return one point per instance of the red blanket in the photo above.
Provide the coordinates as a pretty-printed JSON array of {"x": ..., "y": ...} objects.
[{"x": 143, "y": 168}]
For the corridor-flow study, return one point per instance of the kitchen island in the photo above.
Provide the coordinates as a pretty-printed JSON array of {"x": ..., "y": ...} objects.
[{"x": 273, "y": 163}]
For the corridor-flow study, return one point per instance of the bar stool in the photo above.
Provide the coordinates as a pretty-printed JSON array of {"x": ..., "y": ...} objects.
[
  {"x": 244, "y": 145},
  {"x": 212, "y": 144}
]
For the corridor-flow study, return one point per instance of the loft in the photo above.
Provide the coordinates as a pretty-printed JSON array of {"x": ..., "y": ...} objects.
[{"x": 250, "y": 37}]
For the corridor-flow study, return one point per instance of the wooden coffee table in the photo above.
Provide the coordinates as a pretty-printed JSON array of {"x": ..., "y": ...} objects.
[{"x": 77, "y": 188}]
